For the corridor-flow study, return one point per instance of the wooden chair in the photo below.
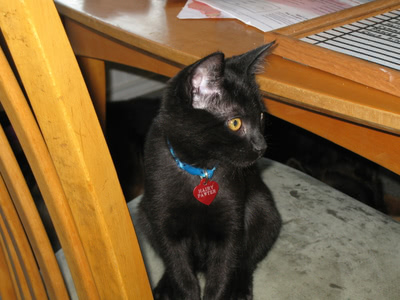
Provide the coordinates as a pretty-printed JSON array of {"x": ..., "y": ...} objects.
[{"x": 46, "y": 101}]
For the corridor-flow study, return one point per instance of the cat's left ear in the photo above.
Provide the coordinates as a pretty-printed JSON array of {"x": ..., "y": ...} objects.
[
  {"x": 206, "y": 79},
  {"x": 253, "y": 61}
]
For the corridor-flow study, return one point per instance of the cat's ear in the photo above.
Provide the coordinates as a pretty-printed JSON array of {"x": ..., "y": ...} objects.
[
  {"x": 253, "y": 61},
  {"x": 206, "y": 79}
]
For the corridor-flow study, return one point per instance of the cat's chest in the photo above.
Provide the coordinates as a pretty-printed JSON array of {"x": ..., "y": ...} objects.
[
  {"x": 203, "y": 223},
  {"x": 191, "y": 218}
]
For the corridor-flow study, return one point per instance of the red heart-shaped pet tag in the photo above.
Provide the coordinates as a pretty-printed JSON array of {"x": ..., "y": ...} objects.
[{"x": 206, "y": 191}]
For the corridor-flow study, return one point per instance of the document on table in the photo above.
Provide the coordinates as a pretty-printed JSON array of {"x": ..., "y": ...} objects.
[{"x": 265, "y": 15}]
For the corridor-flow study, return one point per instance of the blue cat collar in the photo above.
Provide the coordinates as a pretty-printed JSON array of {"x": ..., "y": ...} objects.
[{"x": 203, "y": 173}]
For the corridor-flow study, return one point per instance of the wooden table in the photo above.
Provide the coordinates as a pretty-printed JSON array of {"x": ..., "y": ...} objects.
[{"x": 147, "y": 34}]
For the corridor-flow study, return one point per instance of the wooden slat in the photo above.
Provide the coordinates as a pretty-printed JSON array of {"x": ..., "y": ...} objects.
[
  {"x": 18, "y": 270},
  {"x": 29, "y": 277},
  {"x": 6, "y": 287},
  {"x": 31, "y": 221},
  {"x": 74, "y": 138},
  {"x": 30, "y": 137}
]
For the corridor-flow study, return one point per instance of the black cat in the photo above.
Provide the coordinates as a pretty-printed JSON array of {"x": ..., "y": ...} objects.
[{"x": 209, "y": 133}]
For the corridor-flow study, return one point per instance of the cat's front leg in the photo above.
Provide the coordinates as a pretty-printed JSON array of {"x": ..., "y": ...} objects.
[
  {"x": 179, "y": 281},
  {"x": 163, "y": 289},
  {"x": 168, "y": 289},
  {"x": 243, "y": 283},
  {"x": 221, "y": 265},
  {"x": 229, "y": 281},
  {"x": 172, "y": 288}
]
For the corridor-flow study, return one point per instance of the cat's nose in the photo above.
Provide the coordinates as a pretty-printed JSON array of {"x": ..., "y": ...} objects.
[
  {"x": 259, "y": 145},
  {"x": 260, "y": 149}
]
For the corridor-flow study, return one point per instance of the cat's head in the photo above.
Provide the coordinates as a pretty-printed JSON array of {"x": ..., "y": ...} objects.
[{"x": 212, "y": 110}]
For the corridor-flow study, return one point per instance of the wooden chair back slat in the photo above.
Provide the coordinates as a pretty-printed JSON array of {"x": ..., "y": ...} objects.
[
  {"x": 38, "y": 156},
  {"x": 6, "y": 285},
  {"x": 66, "y": 150},
  {"x": 31, "y": 221},
  {"x": 20, "y": 257}
]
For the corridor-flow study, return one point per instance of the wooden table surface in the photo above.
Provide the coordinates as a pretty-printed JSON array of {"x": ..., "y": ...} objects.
[{"x": 147, "y": 34}]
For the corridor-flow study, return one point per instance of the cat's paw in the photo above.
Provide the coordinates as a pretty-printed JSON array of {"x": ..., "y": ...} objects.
[
  {"x": 163, "y": 290},
  {"x": 243, "y": 292},
  {"x": 243, "y": 297},
  {"x": 167, "y": 290},
  {"x": 160, "y": 295}
]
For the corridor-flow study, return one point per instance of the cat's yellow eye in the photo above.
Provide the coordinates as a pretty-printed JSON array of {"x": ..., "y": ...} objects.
[{"x": 235, "y": 124}]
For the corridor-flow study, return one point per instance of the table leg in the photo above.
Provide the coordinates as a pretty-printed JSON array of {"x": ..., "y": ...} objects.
[{"x": 93, "y": 71}]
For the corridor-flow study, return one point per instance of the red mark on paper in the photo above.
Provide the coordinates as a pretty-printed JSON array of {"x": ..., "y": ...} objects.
[{"x": 205, "y": 9}]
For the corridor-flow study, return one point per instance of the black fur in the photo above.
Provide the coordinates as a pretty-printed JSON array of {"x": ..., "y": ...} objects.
[{"x": 227, "y": 239}]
